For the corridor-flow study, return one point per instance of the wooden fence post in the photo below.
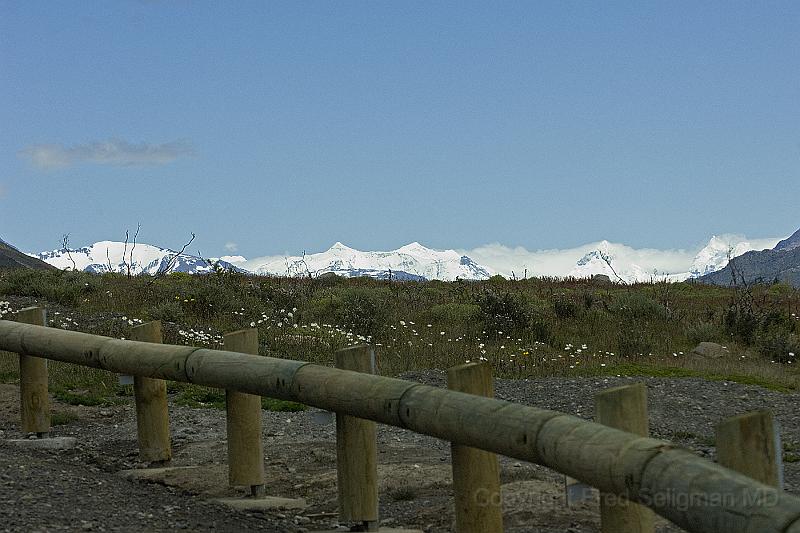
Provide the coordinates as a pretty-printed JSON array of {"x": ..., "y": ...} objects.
[
  {"x": 34, "y": 398},
  {"x": 357, "y": 451},
  {"x": 750, "y": 444},
  {"x": 152, "y": 414},
  {"x": 476, "y": 473},
  {"x": 243, "y": 416},
  {"x": 624, "y": 408}
]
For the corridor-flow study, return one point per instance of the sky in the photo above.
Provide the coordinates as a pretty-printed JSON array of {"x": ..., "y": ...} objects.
[{"x": 281, "y": 127}]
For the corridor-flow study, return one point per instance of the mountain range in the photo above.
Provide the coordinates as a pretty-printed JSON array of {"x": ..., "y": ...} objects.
[
  {"x": 781, "y": 263},
  {"x": 110, "y": 256},
  {"x": 411, "y": 262}
]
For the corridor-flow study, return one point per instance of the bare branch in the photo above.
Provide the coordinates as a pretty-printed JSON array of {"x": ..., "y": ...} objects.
[
  {"x": 162, "y": 271},
  {"x": 65, "y": 245},
  {"x": 125, "y": 264},
  {"x": 607, "y": 258},
  {"x": 138, "y": 227}
]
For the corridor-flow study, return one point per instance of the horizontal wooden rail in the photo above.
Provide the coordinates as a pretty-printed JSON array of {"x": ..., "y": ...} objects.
[{"x": 692, "y": 492}]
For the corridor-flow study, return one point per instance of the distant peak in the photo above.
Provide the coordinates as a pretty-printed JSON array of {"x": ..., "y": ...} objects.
[
  {"x": 413, "y": 246},
  {"x": 790, "y": 243},
  {"x": 339, "y": 246}
]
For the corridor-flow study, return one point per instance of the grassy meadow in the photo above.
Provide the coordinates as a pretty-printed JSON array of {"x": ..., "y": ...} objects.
[{"x": 524, "y": 328}]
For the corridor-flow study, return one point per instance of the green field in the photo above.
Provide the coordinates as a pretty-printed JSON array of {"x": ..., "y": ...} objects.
[{"x": 524, "y": 328}]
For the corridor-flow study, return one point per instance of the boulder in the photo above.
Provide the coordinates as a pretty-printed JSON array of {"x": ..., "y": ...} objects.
[
  {"x": 601, "y": 278},
  {"x": 711, "y": 350}
]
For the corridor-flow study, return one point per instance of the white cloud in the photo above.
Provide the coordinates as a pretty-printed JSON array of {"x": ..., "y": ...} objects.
[
  {"x": 233, "y": 259},
  {"x": 556, "y": 262},
  {"x": 231, "y": 247},
  {"x": 111, "y": 152}
]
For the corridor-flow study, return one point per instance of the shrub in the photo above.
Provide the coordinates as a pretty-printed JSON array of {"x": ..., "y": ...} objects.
[
  {"x": 363, "y": 310},
  {"x": 564, "y": 307},
  {"x": 740, "y": 323},
  {"x": 635, "y": 305},
  {"x": 779, "y": 346},
  {"x": 633, "y": 341},
  {"x": 502, "y": 313},
  {"x": 540, "y": 330},
  {"x": 703, "y": 332},
  {"x": 169, "y": 311},
  {"x": 455, "y": 312},
  {"x": 588, "y": 298}
]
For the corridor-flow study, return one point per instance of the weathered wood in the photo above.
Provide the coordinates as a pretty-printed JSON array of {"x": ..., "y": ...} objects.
[
  {"x": 624, "y": 408},
  {"x": 692, "y": 492},
  {"x": 34, "y": 397},
  {"x": 243, "y": 372},
  {"x": 356, "y": 449},
  {"x": 152, "y": 414},
  {"x": 115, "y": 355},
  {"x": 747, "y": 444},
  {"x": 362, "y": 395},
  {"x": 243, "y": 416},
  {"x": 476, "y": 473}
]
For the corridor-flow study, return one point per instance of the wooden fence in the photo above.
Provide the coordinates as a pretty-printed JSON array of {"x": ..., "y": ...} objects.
[{"x": 692, "y": 492}]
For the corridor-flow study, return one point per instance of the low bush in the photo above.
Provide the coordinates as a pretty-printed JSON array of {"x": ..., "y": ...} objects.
[
  {"x": 703, "y": 332},
  {"x": 638, "y": 305},
  {"x": 564, "y": 307},
  {"x": 502, "y": 312}
]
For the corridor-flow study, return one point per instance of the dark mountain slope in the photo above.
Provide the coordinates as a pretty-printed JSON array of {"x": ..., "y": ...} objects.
[
  {"x": 765, "y": 266},
  {"x": 791, "y": 243},
  {"x": 10, "y": 257}
]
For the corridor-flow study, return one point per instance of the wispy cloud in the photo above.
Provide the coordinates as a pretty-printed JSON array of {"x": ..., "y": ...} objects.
[
  {"x": 231, "y": 246},
  {"x": 111, "y": 152},
  {"x": 561, "y": 262},
  {"x": 519, "y": 260}
]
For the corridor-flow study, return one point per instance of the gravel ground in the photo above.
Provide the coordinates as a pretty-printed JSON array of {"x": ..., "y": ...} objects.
[{"x": 81, "y": 489}]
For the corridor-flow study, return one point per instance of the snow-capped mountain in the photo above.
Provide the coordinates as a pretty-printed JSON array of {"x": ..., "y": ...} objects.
[
  {"x": 109, "y": 256},
  {"x": 615, "y": 261},
  {"x": 715, "y": 255},
  {"x": 410, "y": 262},
  {"x": 781, "y": 263},
  {"x": 603, "y": 261},
  {"x": 417, "y": 262}
]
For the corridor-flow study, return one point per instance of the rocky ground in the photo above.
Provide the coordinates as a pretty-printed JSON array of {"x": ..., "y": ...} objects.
[{"x": 81, "y": 489}]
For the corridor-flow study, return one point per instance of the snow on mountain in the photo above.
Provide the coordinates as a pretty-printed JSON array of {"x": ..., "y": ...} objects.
[
  {"x": 605, "y": 261},
  {"x": 615, "y": 261},
  {"x": 417, "y": 262},
  {"x": 715, "y": 255},
  {"x": 410, "y": 262},
  {"x": 109, "y": 256}
]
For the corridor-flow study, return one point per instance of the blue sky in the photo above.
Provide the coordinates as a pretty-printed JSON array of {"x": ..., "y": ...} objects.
[{"x": 286, "y": 126}]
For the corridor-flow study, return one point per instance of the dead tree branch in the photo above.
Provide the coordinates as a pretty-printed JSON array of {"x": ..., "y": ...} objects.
[
  {"x": 164, "y": 270},
  {"x": 65, "y": 246}
]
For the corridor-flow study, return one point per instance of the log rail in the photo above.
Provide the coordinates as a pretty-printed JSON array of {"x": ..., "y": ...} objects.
[{"x": 692, "y": 492}]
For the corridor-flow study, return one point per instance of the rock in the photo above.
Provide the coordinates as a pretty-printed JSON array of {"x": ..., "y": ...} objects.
[
  {"x": 601, "y": 278},
  {"x": 711, "y": 350}
]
